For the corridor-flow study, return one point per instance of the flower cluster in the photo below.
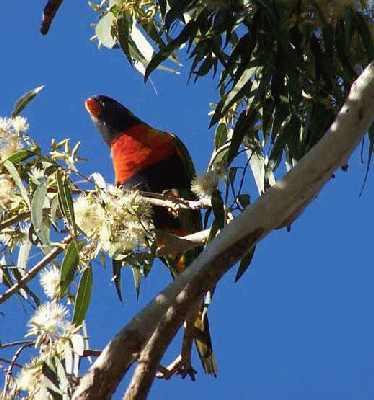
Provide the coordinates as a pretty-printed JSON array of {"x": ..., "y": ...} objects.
[
  {"x": 11, "y": 131},
  {"x": 29, "y": 377},
  {"x": 50, "y": 281},
  {"x": 205, "y": 185},
  {"x": 118, "y": 221},
  {"x": 50, "y": 319},
  {"x": 7, "y": 191}
]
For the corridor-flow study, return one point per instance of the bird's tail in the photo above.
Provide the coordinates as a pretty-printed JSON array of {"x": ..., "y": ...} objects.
[{"x": 203, "y": 342}]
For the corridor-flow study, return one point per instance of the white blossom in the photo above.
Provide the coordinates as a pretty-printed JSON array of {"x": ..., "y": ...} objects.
[
  {"x": 205, "y": 185},
  {"x": 7, "y": 190},
  {"x": 50, "y": 281},
  {"x": 9, "y": 144},
  {"x": 36, "y": 174},
  {"x": 117, "y": 221},
  {"x": 5, "y": 125},
  {"x": 29, "y": 376},
  {"x": 128, "y": 219},
  {"x": 19, "y": 124},
  {"x": 89, "y": 215},
  {"x": 49, "y": 318},
  {"x": 10, "y": 135}
]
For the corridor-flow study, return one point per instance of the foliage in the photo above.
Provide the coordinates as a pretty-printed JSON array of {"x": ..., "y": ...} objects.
[
  {"x": 283, "y": 67},
  {"x": 46, "y": 215}
]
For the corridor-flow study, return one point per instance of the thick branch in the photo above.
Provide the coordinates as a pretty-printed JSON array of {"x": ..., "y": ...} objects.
[
  {"x": 277, "y": 206},
  {"x": 34, "y": 270}
]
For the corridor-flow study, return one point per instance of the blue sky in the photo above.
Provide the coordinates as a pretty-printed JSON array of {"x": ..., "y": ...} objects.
[{"x": 299, "y": 324}]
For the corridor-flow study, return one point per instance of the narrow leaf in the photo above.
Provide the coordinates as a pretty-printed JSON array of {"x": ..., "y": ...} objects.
[
  {"x": 23, "y": 101},
  {"x": 83, "y": 297},
  {"x": 78, "y": 344},
  {"x": 37, "y": 203},
  {"x": 103, "y": 31},
  {"x": 137, "y": 280},
  {"x": 65, "y": 199},
  {"x": 221, "y": 135},
  {"x": 17, "y": 180},
  {"x": 218, "y": 208},
  {"x": 116, "y": 270},
  {"x": 68, "y": 267},
  {"x": 22, "y": 155},
  {"x": 245, "y": 262},
  {"x": 23, "y": 255}
]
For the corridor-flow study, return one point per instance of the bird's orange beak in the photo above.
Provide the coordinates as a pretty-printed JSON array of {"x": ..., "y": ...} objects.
[{"x": 93, "y": 107}]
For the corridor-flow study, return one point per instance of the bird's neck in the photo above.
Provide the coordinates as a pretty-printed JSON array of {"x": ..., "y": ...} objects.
[{"x": 137, "y": 149}]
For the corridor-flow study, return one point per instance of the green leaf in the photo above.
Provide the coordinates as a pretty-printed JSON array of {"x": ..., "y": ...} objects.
[
  {"x": 245, "y": 262},
  {"x": 61, "y": 375},
  {"x": 17, "y": 180},
  {"x": 22, "y": 155},
  {"x": 23, "y": 101},
  {"x": 37, "y": 203},
  {"x": 218, "y": 208},
  {"x": 116, "y": 270},
  {"x": 68, "y": 267},
  {"x": 123, "y": 30},
  {"x": 50, "y": 380},
  {"x": 83, "y": 297},
  {"x": 23, "y": 254},
  {"x": 257, "y": 164},
  {"x": 188, "y": 31},
  {"x": 366, "y": 35},
  {"x": 241, "y": 88},
  {"x": 221, "y": 135},
  {"x": 65, "y": 199},
  {"x": 244, "y": 200},
  {"x": 242, "y": 128},
  {"x": 103, "y": 31}
]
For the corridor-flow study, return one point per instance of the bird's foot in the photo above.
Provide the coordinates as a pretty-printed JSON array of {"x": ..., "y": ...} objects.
[{"x": 178, "y": 367}]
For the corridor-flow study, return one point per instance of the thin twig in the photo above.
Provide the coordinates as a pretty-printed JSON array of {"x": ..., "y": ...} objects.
[
  {"x": 91, "y": 353},
  {"x": 35, "y": 270},
  {"x": 10, "y": 221},
  {"x": 163, "y": 200},
  {"x": 12, "y": 365},
  {"x": 13, "y": 344},
  {"x": 5, "y": 361}
]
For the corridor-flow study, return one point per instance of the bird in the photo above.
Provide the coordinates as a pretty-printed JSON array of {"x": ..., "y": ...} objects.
[{"x": 147, "y": 159}]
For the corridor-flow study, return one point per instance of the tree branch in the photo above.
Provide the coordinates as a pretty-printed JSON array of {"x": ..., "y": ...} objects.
[
  {"x": 6, "y": 223},
  {"x": 150, "y": 357},
  {"x": 18, "y": 343},
  {"x": 31, "y": 273},
  {"x": 277, "y": 206}
]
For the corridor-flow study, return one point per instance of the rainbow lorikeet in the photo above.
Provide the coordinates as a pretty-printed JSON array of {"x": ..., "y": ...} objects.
[{"x": 150, "y": 160}]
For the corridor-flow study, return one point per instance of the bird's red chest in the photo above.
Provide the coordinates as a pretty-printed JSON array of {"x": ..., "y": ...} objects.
[{"x": 137, "y": 149}]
